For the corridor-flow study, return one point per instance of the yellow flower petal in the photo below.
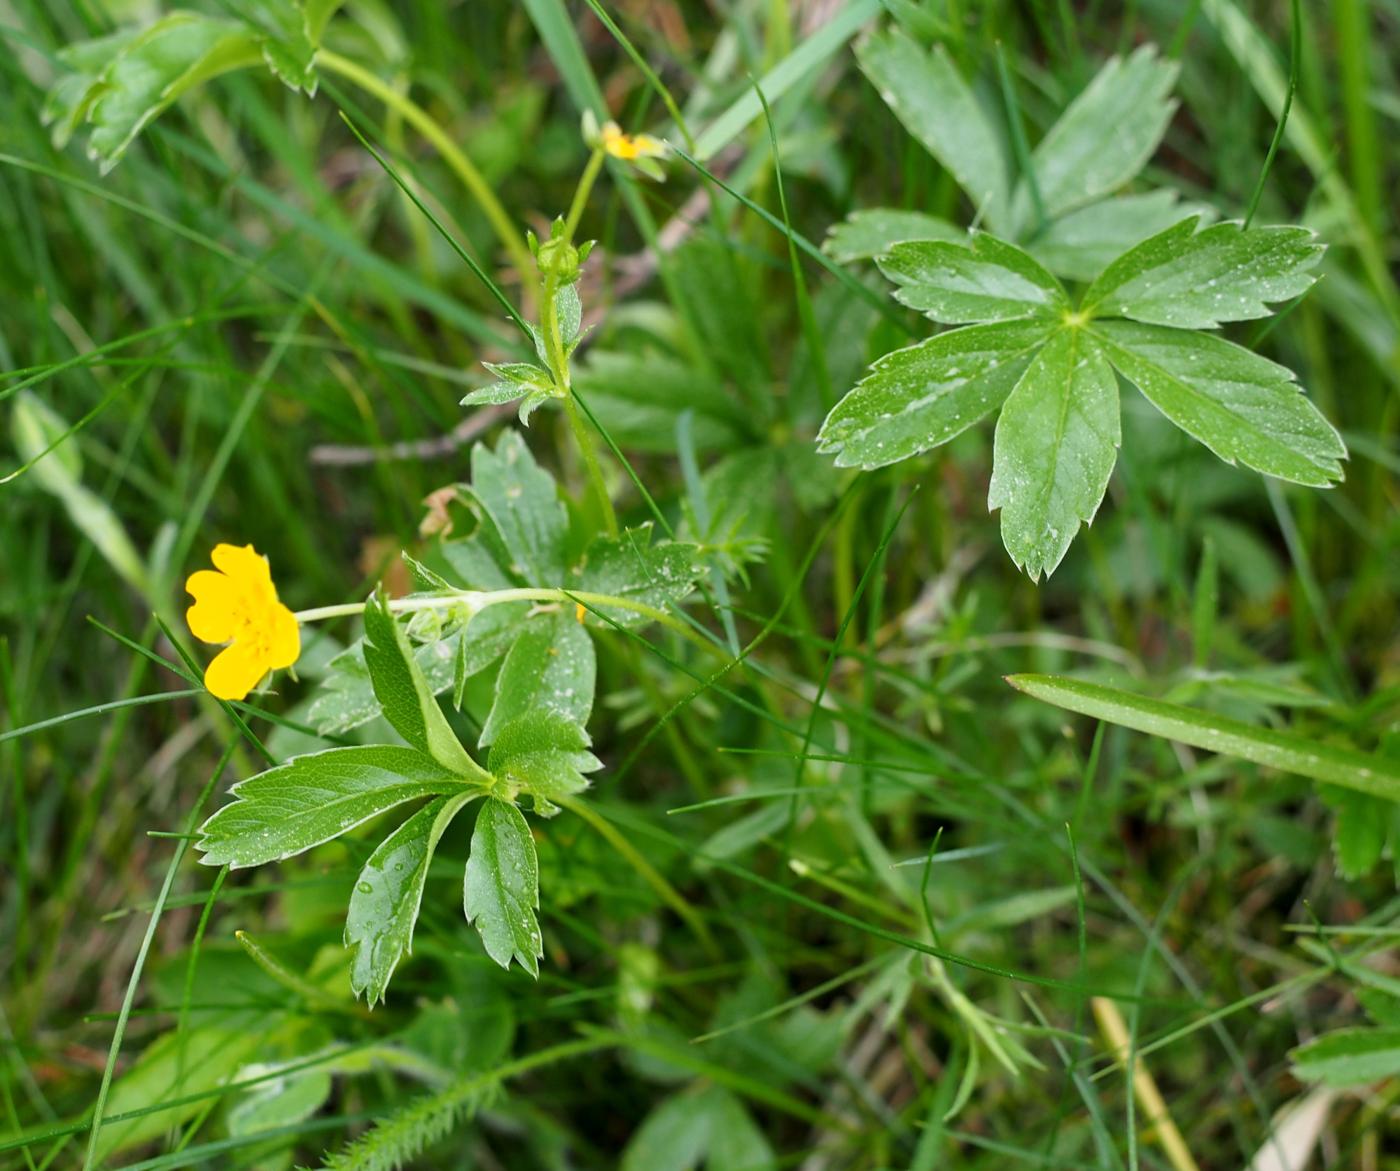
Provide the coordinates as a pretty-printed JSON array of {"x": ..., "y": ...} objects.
[
  {"x": 244, "y": 564},
  {"x": 284, "y": 646},
  {"x": 234, "y": 672},
  {"x": 215, "y": 598}
]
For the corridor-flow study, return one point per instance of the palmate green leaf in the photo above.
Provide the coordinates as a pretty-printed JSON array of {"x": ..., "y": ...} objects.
[
  {"x": 630, "y": 566},
  {"x": 514, "y": 380},
  {"x": 277, "y": 1102},
  {"x": 384, "y": 904},
  {"x": 1349, "y": 1057},
  {"x": 544, "y": 754},
  {"x": 551, "y": 667},
  {"x": 929, "y": 96},
  {"x": 866, "y": 233},
  {"x": 1363, "y": 772},
  {"x": 346, "y": 699},
  {"x": 983, "y": 280},
  {"x": 69, "y": 99},
  {"x": 286, "y": 44},
  {"x": 1056, "y": 444},
  {"x": 1196, "y": 280},
  {"x": 1104, "y": 138},
  {"x": 122, "y": 82},
  {"x": 1362, "y": 828},
  {"x": 312, "y": 799},
  {"x": 916, "y": 398},
  {"x": 177, "y": 53},
  {"x": 521, "y": 503},
  {"x": 403, "y": 692},
  {"x": 1243, "y": 407},
  {"x": 675, "y": 1135},
  {"x": 474, "y": 565},
  {"x": 501, "y": 891},
  {"x": 1080, "y": 245}
]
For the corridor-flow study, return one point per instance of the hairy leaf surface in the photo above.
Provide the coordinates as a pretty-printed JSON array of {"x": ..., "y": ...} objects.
[
  {"x": 916, "y": 398},
  {"x": 312, "y": 799},
  {"x": 501, "y": 890},
  {"x": 1243, "y": 407},
  {"x": 984, "y": 280},
  {"x": 1196, "y": 280},
  {"x": 1056, "y": 444}
]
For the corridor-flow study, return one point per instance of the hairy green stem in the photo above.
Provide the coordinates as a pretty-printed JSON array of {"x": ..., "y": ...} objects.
[
  {"x": 581, "y": 193},
  {"x": 480, "y": 599}
]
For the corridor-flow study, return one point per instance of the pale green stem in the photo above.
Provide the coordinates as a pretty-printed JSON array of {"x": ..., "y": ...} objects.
[
  {"x": 451, "y": 153},
  {"x": 559, "y": 360},
  {"x": 584, "y": 438},
  {"x": 479, "y": 599},
  {"x": 581, "y": 193},
  {"x": 653, "y": 878}
]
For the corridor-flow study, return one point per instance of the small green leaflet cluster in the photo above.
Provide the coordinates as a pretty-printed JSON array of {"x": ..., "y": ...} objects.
[
  {"x": 521, "y": 539},
  {"x": 561, "y": 264},
  {"x": 120, "y": 83},
  {"x": 533, "y": 734},
  {"x": 524, "y": 381},
  {"x": 1044, "y": 361}
]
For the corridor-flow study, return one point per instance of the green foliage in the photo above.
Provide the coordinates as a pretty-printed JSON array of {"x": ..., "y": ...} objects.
[
  {"x": 731, "y": 720},
  {"x": 1349, "y": 1057},
  {"x": 312, "y": 799},
  {"x": 502, "y": 888},
  {"x": 385, "y": 902},
  {"x": 1102, "y": 140},
  {"x": 1363, "y": 773},
  {"x": 1243, "y": 407},
  {"x": 927, "y": 94},
  {"x": 550, "y": 668},
  {"x": 984, "y": 280},
  {"x": 1197, "y": 280},
  {"x": 544, "y": 753},
  {"x": 919, "y": 397},
  {"x": 1056, "y": 442},
  {"x": 1055, "y": 453},
  {"x": 404, "y": 695},
  {"x": 123, "y": 82}
]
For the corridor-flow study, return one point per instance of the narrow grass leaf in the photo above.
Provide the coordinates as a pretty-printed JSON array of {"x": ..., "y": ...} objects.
[{"x": 1281, "y": 750}]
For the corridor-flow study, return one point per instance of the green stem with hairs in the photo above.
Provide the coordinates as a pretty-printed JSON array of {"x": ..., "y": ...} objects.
[{"x": 480, "y": 599}]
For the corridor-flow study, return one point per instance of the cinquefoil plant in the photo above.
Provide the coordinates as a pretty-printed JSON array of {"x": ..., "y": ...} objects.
[{"x": 1049, "y": 361}]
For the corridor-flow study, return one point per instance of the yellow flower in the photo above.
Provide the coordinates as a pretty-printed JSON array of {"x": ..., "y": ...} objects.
[
  {"x": 630, "y": 147},
  {"x": 238, "y": 605}
]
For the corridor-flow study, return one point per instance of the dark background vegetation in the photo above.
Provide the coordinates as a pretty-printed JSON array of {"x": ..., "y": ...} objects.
[{"x": 321, "y": 321}]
